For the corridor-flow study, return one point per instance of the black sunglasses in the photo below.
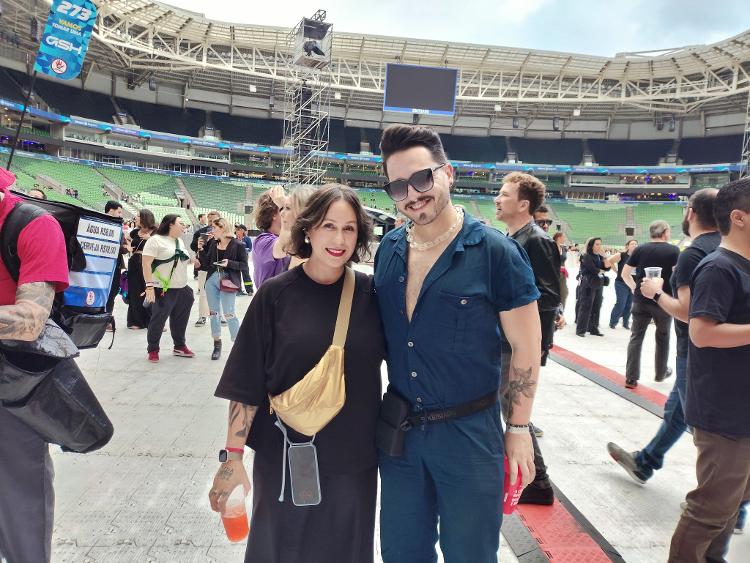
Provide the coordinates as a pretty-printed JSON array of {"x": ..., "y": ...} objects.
[
  {"x": 421, "y": 180},
  {"x": 543, "y": 222}
]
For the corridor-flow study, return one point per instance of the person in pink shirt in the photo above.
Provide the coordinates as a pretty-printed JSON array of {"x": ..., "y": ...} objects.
[{"x": 26, "y": 472}]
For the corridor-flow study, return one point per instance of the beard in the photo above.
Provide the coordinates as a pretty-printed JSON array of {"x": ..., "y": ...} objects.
[
  {"x": 425, "y": 216},
  {"x": 685, "y": 227}
]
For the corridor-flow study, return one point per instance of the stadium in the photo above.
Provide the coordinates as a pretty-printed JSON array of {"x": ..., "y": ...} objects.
[{"x": 182, "y": 114}]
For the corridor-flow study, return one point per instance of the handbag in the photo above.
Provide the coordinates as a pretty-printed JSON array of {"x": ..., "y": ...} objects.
[
  {"x": 311, "y": 403},
  {"x": 41, "y": 385},
  {"x": 226, "y": 284}
]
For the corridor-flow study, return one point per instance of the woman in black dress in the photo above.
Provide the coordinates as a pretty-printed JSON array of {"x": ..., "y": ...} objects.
[
  {"x": 591, "y": 289},
  {"x": 138, "y": 316},
  {"x": 287, "y": 329}
]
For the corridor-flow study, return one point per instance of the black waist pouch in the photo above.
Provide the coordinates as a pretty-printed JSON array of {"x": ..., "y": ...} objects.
[{"x": 390, "y": 431}]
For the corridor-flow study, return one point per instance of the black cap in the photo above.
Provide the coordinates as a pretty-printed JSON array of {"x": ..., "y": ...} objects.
[{"x": 240, "y": 226}]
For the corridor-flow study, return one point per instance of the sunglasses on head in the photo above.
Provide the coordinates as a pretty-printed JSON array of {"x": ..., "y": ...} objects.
[
  {"x": 544, "y": 222},
  {"x": 421, "y": 180}
]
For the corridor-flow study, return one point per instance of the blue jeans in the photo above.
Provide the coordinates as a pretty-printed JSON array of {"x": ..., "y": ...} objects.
[
  {"x": 622, "y": 305},
  {"x": 451, "y": 472},
  {"x": 651, "y": 458},
  {"x": 221, "y": 301}
]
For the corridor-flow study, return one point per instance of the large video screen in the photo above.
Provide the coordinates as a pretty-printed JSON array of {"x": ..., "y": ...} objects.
[{"x": 420, "y": 89}]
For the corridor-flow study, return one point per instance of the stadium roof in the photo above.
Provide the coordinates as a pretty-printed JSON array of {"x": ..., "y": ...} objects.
[{"x": 144, "y": 39}]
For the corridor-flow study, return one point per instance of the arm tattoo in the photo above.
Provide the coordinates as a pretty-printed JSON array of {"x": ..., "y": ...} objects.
[
  {"x": 25, "y": 319},
  {"x": 225, "y": 473},
  {"x": 520, "y": 384},
  {"x": 241, "y": 419}
]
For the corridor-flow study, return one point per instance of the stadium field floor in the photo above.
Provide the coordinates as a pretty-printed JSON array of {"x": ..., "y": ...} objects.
[{"x": 143, "y": 498}]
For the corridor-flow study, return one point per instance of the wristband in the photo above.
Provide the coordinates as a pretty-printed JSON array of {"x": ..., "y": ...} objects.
[
  {"x": 517, "y": 428},
  {"x": 235, "y": 450}
]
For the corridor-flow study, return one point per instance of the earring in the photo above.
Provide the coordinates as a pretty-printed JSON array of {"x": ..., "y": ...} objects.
[{"x": 307, "y": 239}]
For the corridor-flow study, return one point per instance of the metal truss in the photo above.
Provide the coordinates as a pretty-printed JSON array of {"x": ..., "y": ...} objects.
[
  {"x": 141, "y": 35},
  {"x": 745, "y": 158},
  {"x": 307, "y": 106}
]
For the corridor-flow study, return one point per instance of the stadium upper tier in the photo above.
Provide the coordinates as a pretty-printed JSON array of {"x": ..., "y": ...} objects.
[
  {"x": 170, "y": 192},
  {"x": 243, "y": 66}
]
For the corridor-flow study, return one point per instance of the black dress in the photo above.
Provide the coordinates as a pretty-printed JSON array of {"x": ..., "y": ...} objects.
[
  {"x": 286, "y": 330},
  {"x": 138, "y": 316}
]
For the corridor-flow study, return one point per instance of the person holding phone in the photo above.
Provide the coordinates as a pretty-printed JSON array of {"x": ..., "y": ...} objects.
[{"x": 224, "y": 259}]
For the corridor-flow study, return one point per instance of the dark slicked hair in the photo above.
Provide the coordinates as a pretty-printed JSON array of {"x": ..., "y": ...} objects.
[
  {"x": 168, "y": 220},
  {"x": 315, "y": 212},
  {"x": 542, "y": 209},
  {"x": 734, "y": 195},
  {"x": 112, "y": 204},
  {"x": 702, "y": 203},
  {"x": 397, "y": 138},
  {"x": 265, "y": 209}
]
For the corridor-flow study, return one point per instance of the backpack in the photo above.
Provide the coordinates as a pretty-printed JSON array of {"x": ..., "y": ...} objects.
[{"x": 92, "y": 243}]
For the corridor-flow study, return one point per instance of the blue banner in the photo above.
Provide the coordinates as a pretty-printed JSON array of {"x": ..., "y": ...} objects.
[{"x": 66, "y": 38}]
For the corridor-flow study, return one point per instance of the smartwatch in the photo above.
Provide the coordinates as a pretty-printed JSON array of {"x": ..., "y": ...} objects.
[{"x": 225, "y": 455}]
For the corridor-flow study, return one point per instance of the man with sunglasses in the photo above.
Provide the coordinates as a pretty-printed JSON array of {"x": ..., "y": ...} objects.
[
  {"x": 542, "y": 218},
  {"x": 518, "y": 203},
  {"x": 443, "y": 281}
]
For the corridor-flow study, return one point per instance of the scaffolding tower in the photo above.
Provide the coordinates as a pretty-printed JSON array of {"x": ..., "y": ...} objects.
[
  {"x": 307, "y": 98},
  {"x": 745, "y": 159}
]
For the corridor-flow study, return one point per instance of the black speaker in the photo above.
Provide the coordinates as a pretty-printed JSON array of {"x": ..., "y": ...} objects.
[{"x": 629, "y": 231}]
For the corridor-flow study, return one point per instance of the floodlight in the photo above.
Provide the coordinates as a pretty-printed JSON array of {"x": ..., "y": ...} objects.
[
  {"x": 498, "y": 107},
  {"x": 253, "y": 88},
  {"x": 576, "y": 112},
  {"x": 337, "y": 95}
]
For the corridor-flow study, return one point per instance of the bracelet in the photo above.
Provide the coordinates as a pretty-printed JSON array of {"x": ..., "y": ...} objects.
[
  {"x": 517, "y": 428},
  {"x": 235, "y": 450}
]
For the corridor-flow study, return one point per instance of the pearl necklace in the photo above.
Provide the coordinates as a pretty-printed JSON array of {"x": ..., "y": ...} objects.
[{"x": 434, "y": 242}]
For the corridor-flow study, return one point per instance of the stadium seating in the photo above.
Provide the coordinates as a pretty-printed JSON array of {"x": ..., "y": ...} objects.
[
  {"x": 151, "y": 188},
  {"x": 88, "y": 182},
  {"x": 537, "y": 151},
  {"x": 711, "y": 150},
  {"x": 582, "y": 220},
  {"x": 214, "y": 194},
  {"x": 645, "y": 213},
  {"x": 627, "y": 153}
]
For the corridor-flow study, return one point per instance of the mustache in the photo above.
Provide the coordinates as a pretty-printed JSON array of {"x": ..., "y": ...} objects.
[{"x": 418, "y": 200}]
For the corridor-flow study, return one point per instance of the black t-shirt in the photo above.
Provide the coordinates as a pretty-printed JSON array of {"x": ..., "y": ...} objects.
[
  {"x": 624, "y": 256},
  {"x": 688, "y": 261},
  {"x": 718, "y": 386},
  {"x": 653, "y": 254},
  {"x": 287, "y": 329}
]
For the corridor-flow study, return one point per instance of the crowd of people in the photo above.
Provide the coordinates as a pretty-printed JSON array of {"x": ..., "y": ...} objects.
[{"x": 449, "y": 295}]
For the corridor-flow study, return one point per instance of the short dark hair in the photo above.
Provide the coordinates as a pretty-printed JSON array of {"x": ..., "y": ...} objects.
[
  {"x": 315, "y": 212},
  {"x": 265, "y": 209},
  {"x": 201, "y": 216},
  {"x": 734, "y": 195},
  {"x": 169, "y": 220},
  {"x": 112, "y": 204},
  {"x": 147, "y": 219},
  {"x": 542, "y": 209},
  {"x": 702, "y": 203},
  {"x": 557, "y": 235},
  {"x": 399, "y": 137},
  {"x": 530, "y": 188}
]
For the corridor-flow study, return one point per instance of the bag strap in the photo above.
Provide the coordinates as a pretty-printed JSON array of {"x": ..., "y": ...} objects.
[
  {"x": 165, "y": 282},
  {"x": 21, "y": 215},
  {"x": 345, "y": 309}
]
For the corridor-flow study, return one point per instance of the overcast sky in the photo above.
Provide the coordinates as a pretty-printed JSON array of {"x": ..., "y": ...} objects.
[{"x": 594, "y": 27}]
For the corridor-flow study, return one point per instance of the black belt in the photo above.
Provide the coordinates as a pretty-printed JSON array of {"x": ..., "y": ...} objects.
[{"x": 459, "y": 411}]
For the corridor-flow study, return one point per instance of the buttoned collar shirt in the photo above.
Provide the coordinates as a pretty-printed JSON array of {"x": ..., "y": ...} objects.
[{"x": 449, "y": 353}]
